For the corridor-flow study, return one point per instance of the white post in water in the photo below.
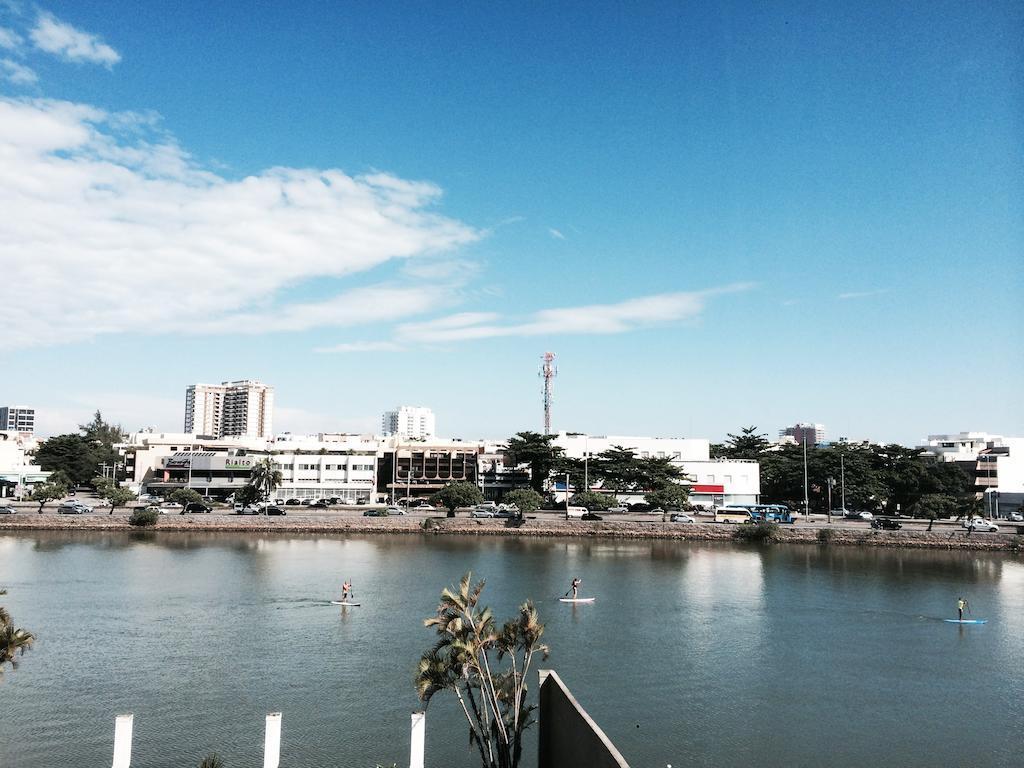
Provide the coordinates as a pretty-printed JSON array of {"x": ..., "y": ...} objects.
[
  {"x": 272, "y": 741},
  {"x": 123, "y": 741},
  {"x": 418, "y": 739}
]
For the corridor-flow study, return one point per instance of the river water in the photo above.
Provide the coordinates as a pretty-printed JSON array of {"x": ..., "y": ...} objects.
[{"x": 693, "y": 654}]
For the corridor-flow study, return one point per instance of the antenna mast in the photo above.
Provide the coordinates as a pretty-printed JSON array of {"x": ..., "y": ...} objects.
[{"x": 548, "y": 373}]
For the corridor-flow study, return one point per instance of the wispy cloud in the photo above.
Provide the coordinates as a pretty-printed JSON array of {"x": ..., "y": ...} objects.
[
  {"x": 621, "y": 317},
  {"x": 360, "y": 346},
  {"x": 107, "y": 208},
  {"x": 17, "y": 73},
  {"x": 54, "y": 36},
  {"x": 10, "y": 40},
  {"x": 862, "y": 294},
  {"x": 555, "y": 233}
]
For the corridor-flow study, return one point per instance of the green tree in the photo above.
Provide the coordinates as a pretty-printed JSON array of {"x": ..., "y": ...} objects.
[
  {"x": 527, "y": 500},
  {"x": 185, "y": 496},
  {"x": 592, "y": 500},
  {"x": 73, "y": 455},
  {"x": 934, "y": 505},
  {"x": 117, "y": 496},
  {"x": 535, "y": 450},
  {"x": 104, "y": 436},
  {"x": 247, "y": 495},
  {"x": 669, "y": 496},
  {"x": 265, "y": 478},
  {"x": 13, "y": 641},
  {"x": 45, "y": 492},
  {"x": 746, "y": 445},
  {"x": 467, "y": 660},
  {"x": 455, "y": 495}
]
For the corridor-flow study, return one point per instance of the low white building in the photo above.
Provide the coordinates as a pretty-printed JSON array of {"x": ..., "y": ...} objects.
[
  {"x": 961, "y": 446},
  {"x": 712, "y": 482},
  {"x": 18, "y": 473}
]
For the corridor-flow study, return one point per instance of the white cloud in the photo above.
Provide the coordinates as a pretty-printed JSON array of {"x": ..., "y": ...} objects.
[
  {"x": 10, "y": 39},
  {"x": 54, "y": 36},
  {"x": 620, "y": 317},
  {"x": 862, "y": 294},
  {"x": 108, "y": 226},
  {"x": 555, "y": 233},
  {"x": 17, "y": 73},
  {"x": 361, "y": 346}
]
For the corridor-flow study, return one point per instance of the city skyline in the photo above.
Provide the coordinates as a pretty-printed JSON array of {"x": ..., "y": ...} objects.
[{"x": 715, "y": 218}]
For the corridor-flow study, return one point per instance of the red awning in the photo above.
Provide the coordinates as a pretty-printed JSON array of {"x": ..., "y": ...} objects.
[{"x": 707, "y": 489}]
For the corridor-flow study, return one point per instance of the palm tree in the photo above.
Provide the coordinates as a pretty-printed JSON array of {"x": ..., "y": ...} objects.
[
  {"x": 466, "y": 660},
  {"x": 13, "y": 641},
  {"x": 265, "y": 478}
]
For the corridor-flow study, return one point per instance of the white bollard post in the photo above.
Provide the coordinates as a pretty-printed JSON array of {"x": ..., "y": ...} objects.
[
  {"x": 272, "y": 741},
  {"x": 123, "y": 741},
  {"x": 418, "y": 739}
]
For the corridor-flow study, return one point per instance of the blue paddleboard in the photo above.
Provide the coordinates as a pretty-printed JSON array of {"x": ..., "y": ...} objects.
[{"x": 965, "y": 621}]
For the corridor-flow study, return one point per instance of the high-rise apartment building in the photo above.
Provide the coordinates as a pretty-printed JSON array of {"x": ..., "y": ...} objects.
[
  {"x": 812, "y": 433},
  {"x": 230, "y": 409},
  {"x": 18, "y": 418},
  {"x": 410, "y": 421}
]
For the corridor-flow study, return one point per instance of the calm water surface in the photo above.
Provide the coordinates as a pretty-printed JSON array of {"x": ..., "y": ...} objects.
[{"x": 692, "y": 655}]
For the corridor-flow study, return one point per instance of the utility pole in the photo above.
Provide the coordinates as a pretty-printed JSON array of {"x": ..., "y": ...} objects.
[
  {"x": 807, "y": 497},
  {"x": 842, "y": 475},
  {"x": 831, "y": 485},
  {"x": 548, "y": 373}
]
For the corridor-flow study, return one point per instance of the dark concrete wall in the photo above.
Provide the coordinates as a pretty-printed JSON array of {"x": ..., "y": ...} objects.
[{"x": 568, "y": 737}]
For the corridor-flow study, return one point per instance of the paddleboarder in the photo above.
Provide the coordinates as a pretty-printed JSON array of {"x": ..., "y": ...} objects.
[
  {"x": 346, "y": 591},
  {"x": 960, "y": 605},
  {"x": 575, "y": 586}
]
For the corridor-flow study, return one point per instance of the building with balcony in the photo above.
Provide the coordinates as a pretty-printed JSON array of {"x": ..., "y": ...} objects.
[
  {"x": 18, "y": 474},
  {"x": 230, "y": 409},
  {"x": 408, "y": 421},
  {"x": 814, "y": 434},
  {"x": 17, "y": 418}
]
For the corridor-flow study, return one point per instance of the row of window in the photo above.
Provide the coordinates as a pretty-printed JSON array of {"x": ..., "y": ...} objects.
[{"x": 326, "y": 467}]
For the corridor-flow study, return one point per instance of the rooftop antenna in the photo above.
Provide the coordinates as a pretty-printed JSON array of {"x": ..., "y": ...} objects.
[{"x": 548, "y": 373}]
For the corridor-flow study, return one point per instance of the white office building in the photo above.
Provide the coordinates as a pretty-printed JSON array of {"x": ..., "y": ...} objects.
[
  {"x": 408, "y": 421},
  {"x": 17, "y": 418},
  {"x": 230, "y": 409},
  {"x": 961, "y": 446},
  {"x": 712, "y": 482},
  {"x": 18, "y": 475}
]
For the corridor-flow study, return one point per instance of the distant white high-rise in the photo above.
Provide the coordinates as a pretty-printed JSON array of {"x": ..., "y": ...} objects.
[
  {"x": 18, "y": 418},
  {"x": 230, "y": 409},
  {"x": 409, "y": 421}
]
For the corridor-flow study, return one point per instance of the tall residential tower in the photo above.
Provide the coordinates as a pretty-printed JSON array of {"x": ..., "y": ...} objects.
[
  {"x": 230, "y": 409},
  {"x": 409, "y": 421}
]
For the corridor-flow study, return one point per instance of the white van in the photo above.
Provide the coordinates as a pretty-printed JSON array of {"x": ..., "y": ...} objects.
[{"x": 575, "y": 511}]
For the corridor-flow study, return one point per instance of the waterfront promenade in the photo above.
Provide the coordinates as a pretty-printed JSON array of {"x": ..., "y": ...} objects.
[{"x": 947, "y": 535}]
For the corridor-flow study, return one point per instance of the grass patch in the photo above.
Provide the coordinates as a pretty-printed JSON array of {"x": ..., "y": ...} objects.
[{"x": 758, "y": 532}]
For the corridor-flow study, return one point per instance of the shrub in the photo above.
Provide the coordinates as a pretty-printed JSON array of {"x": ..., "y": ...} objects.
[
  {"x": 825, "y": 536},
  {"x": 758, "y": 532},
  {"x": 144, "y": 516},
  {"x": 430, "y": 524},
  {"x": 212, "y": 761}
]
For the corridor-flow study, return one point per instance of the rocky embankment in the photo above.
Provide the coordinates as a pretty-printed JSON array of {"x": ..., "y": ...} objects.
[{"x": 800, "y": 533}]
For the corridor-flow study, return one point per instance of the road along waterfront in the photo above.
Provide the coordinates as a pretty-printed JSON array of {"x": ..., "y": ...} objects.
[{"x": 695, "y": 653}]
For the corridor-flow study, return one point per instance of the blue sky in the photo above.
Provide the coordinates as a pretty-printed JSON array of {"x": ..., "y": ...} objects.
[{"x": 714, "y": 216}]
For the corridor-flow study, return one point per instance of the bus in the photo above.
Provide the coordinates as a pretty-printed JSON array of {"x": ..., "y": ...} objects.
[
  {"x": 733, "y": 515},
  {"x": 772, "y": 513}
]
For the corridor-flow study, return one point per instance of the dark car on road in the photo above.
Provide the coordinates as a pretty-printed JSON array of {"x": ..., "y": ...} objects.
[
  {"x": 375, "y": 513},
  {"x": 196, "y": 507},
  {"x": 273, "y": 510},
  {"x": 886, "y": 524},
  {"x": 321, "y": 504},
  {"x": 591, "y": 516}
]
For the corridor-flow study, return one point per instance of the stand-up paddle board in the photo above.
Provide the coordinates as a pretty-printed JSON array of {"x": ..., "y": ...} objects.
[
  {"x": 965, "y": 621},
  {"x": 576, "y": 599},
  {"x": 343, "y": 602}
]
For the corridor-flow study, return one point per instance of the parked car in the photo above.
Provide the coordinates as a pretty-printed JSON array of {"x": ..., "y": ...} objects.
[
  {"x": 850, "y": 515},
  {"x": 886, "y": 524},
  {"x": 147, "y": 497},
  {"x": 251, "y": 509},
  {"x": 1016, "y": 517},
  {"x": 682, "y": 517},
  {"x": 980, "y": 524},
  {"x": 363, "y": 501},
  {"x": 375, "y": 513},
  {"x": 491, "y": 505},
  {"x": 394, "y": 511},
  {"x": 655, "y": 511},
  {"x": 196, "y": 506},
  {"x": 617, "y": 510},
  {"x": 173, "y": 506},
  {"x": 576, "y": 511},
  {"x": 293, "y": 502},
  {"x": 482, "y": 511},
  {"x": 274, "y": 510},
  {"x": 306, "y": 502},
  {"x": 73, "y": 508},
  {"x": 591, "y": 516},
  {"x": 8, "y": 511},
  {"x": 321, "y": 504}
]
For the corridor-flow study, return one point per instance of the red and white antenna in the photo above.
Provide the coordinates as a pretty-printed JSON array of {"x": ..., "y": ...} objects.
[{"x": 548, "y": 373}]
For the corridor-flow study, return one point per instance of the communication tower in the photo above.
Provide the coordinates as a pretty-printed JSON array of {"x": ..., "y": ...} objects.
[{"x": 548, "y": 373}]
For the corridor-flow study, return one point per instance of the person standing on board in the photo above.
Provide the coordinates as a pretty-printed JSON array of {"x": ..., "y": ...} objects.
[
  {"x": 346, "y": 591},
  {"x": 960, "y": 605},
  {"x": 575, "y": 586}
]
